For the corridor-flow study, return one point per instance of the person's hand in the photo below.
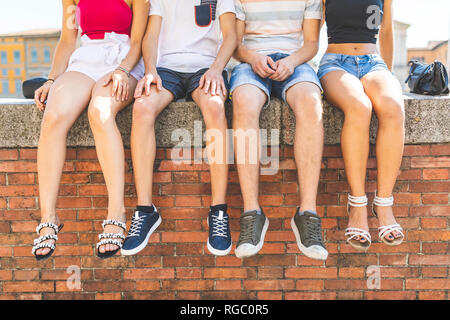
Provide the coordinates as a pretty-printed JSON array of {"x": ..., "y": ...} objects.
[
  {"x": 143, "y": 85},
  {"x": 212, "y": 81},
  {"x": 263, "y": 65},
  {"x": 41, "y": 94},
  {"x": 284, "y": 69},
  {"x": 120, "y": 86}
]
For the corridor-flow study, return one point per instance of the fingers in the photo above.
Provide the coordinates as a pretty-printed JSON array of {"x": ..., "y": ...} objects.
[
  {"x": 126, "y": 91},
  {"x": 159, "y": 85},
  {"x": 139, "y": 89},
  {"x": 273, "y": 64},
  {"x": 207, "y": 85},
  {"x": 148, "y": 84},
  {"x": 114, "y": 87},
  {"x": 213, "y": 88},
  {"x": 224, "y": 88},
  {"x": 201, "y": 82},
  {"x": 37, "y": 97},
  {"x": 107, "y": 81}
]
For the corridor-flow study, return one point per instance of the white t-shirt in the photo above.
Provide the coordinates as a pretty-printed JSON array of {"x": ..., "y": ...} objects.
[{"x": 190, "y": 35}]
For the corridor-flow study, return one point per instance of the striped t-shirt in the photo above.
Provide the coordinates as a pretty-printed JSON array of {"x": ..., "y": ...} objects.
[{"x": 276, "y": 25}]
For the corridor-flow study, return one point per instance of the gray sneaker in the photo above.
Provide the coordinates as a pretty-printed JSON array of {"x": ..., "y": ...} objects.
[
  {"x": 253, "y": 231},
  {"x": 307, "y": 228}
]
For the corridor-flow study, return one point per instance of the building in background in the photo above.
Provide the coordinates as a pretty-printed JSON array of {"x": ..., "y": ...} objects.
[
  {"x": 401, "y": 52},
  {"x": 435, "y": 50},
  {"x": 25, "y": 55}
]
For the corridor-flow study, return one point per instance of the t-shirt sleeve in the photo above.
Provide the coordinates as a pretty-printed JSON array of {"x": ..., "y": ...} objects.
[
  {"x": 313, "y": 9},
  {"x": 224, "y": 6},
  {"x": 155, "y": 8},
  {"x": 240, "y": 13}
]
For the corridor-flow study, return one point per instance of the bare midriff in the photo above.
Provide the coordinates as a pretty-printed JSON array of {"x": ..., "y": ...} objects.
[{"x": 354, "y": 49}]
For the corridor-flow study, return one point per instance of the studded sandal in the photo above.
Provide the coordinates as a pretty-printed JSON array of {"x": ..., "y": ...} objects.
[
  {"x": 40, "y": 243},
  {"x": 352, "y": 232},
  {"x": 384, "y": 231},
  {"x": 110, "y": 238}
]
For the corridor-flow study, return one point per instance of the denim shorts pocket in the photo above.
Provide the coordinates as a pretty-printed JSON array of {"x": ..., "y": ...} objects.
[
  {"x": 203, "y": 15},
  {"x": 327, "y": 60}
]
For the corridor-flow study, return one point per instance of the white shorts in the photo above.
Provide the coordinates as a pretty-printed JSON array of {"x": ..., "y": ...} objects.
[{"x": 96, "y": 58}]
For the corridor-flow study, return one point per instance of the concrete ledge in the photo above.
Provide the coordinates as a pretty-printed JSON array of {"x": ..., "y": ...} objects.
[{"x": 427, "y": 121}]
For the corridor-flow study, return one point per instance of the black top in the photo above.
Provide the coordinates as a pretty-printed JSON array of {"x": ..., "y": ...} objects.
[{"x": 353, "y": 21}]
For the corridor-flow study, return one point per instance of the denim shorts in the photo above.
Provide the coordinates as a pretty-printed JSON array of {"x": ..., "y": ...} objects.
[
  {"x": 182, "y": 84},
  {"x": 358, "y": 66},
  {"x": 243, "y": 74}
]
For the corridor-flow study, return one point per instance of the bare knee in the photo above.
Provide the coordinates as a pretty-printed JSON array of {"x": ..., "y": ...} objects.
[
  {"x": 144, "y": 112},
  {"x": 100, "y": 114},
  {"x": 213, "y": 109},
  {"x": 391, "y": 110},
  {"x": 55, "y": 120},
  {"x": 360, "y": 112},
  {"x": 308, "y": 109},
  {"x": 244, "y": 107}
]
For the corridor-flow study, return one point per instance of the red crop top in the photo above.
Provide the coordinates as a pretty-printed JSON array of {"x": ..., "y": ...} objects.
[{"x": 97, "y": 17}]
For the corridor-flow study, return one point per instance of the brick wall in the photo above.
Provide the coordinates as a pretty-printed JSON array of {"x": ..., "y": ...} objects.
[{"x": 176, "y": 263}]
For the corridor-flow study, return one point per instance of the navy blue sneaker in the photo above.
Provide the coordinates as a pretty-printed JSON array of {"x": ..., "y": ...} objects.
[
  {"x": 219, "y": 240},
  {"x": 142, "y": 226}
]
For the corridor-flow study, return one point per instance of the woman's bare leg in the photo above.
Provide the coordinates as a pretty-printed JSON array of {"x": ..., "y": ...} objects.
[
  {"x": 346, "y": 92},
  {"x": 108, "y": 142},
  {"x": 68, "y": 97},
  {"x": 385, "y": 93}
]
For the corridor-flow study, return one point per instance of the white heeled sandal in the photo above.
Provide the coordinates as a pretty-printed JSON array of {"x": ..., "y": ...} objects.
[
  {"x": 384, "y": 231},
  {"x": 352, "y": 232}
]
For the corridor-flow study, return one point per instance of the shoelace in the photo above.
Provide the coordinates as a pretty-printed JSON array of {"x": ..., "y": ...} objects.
[
  {"x": 136, "y": 224},
  {"x": 247, "y": 227},
  {"x": 314, "y": 230},
  {"x": 219, "y": 224}
]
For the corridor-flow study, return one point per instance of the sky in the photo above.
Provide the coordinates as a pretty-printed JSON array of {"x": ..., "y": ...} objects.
[{"x": 429, "y": 19}]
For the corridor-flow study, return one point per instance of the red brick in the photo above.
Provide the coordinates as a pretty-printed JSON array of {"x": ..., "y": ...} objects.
[
  {"x": 21, "y": 178},
  {"x": 267, "y": 285},
  {"x": 430, "y": 162},
  {"x": 435, "y": 174},
  {"x": 435, "y": 198},
  {"x": 8, "y": 154},
  {"x": 416, "y": 150},
  {"x": 429, "y": 260},
  {"x": 440, "y": 149},
  {"x": 22, "y": 203},
  {"x": 428, "y": 284},
  {"x": 28, "y": 286}
]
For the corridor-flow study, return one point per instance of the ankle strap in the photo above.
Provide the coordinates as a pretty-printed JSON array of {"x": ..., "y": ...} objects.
[
  {"x": 383, "y": 202},
  {"x": 357, "y": 201},
  {"x": 114, "y": 222}
]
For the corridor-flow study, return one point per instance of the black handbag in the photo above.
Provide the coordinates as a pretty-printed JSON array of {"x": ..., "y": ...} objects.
[
  {"x": 30, "y": 86},
  {"x": 429, "y": 79}
]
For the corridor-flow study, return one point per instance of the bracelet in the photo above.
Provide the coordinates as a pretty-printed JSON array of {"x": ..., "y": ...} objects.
[
  {"x": 52, "y": 80},
  {"x": 123, "y": 70}
]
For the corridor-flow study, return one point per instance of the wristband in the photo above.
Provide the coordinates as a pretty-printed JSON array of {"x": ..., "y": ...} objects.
[{"x": 123, "y": 70}]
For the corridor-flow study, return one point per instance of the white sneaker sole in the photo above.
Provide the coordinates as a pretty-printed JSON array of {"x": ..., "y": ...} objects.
[
  {"x": 144, "y": 243},
  {"x": 216, "y": 251},
  {"x": 313, "y": 252},
  {"x": 247, "y": 250}
]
